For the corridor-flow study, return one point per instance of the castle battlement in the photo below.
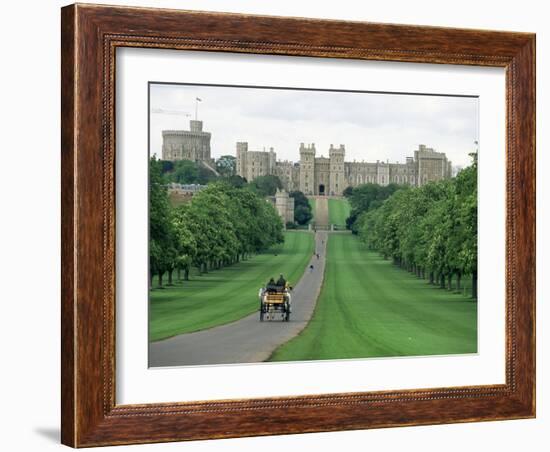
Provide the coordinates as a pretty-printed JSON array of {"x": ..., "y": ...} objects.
[
  {"x": 192, "y": 144},
  {"x": 320, "y": 175}
]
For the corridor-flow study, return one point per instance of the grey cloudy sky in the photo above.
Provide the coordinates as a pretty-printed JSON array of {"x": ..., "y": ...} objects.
[{"x": 372, "y": 126}]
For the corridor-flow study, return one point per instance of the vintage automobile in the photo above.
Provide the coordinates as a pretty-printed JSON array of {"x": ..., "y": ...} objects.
[{"x": 275, "y": 301}]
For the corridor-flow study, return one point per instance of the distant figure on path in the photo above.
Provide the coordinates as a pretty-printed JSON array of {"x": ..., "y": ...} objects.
[{"x": 311, "y": 268}]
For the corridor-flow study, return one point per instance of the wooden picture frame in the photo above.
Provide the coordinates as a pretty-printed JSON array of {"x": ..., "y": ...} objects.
[{"x": 90, "y": 35}]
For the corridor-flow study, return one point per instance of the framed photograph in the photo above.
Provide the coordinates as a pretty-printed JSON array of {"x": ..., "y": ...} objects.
[{"x": 282, "y": 225}]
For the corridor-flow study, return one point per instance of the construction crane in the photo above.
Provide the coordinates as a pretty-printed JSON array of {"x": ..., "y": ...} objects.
[{"x": 162, "y": 111}]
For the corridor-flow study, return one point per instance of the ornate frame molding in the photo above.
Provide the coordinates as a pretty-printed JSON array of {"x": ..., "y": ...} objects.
[{"x": 90, "y": 37}]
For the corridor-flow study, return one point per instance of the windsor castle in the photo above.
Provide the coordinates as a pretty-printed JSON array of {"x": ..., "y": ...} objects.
[
  {"x": 318, "y": 175},
  {"x": 313, "y": 174}
]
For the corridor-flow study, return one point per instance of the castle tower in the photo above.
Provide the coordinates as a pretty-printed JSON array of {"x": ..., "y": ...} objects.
[
  {"x": 242, "y": 149},
  {"x": 307, "y": 169},
  {"x": 272, "y": 161},
  {"x": 195, "y": 126},
  {"x": 337, "y": 182},
  {"x": 430, "y": 165},
  {"x": 285, "y": 206},
  {"x": 192, "y": 144}
]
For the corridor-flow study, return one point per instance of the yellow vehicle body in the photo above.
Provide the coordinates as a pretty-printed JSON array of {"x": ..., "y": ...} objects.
[
  {"x": 275, "y": 298},
  {"x": 272, "y": 302}
]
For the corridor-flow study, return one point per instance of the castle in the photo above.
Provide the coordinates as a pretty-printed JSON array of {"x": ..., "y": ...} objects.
[
  {"x": 332, "y": 175},
  {"x": 312, "y": 175},
  {"x": 192, "y": 144},
  {"x": 284, "y": 205}
]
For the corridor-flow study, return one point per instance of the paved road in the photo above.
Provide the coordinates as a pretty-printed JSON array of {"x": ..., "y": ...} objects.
[
  {"x": 321, "y": 212},
  {"x": 248, "y": 340}
]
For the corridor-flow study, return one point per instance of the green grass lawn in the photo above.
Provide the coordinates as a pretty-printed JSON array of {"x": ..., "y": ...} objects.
[
  {"x": 370, "y": 308},
  {"x": 338, "y": 211},
  {"x": 225, "y": 295}
]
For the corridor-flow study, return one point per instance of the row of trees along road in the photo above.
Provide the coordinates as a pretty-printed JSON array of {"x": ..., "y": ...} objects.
[
  {"x": 429, "y": 230},
  {"x": 220, "y": 226}
]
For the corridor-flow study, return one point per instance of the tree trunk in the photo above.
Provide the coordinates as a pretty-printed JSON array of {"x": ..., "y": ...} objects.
[
  {"x": 170, "y": 277},
  {"x": 442, "y": 281},
  {"x": 450, "y": 279},
  {"x": 431, "y": 277},
  {"x": 458, "y": 276},
  {"x": 160, "y": 279},
  {"x": 474, "y": 284},
  {"x": 186, "y": 274},
  {"x": 178, "y": 274}
]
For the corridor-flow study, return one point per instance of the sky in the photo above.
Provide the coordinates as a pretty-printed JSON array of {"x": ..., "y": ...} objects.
[{"x": 371, "y": 126}]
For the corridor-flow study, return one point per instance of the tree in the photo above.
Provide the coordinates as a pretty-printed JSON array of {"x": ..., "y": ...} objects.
[
  {"x": 430, "y": 230},
  {"x": 266, "y": 185},
  {"x": 348, "y": 191},
  {"x": 184, "y": 172},
  {"x": 226, "y": 165},
  {"x": 167, "y": 166},
  {"x": 205, "y": 175},
  {"x": 302, "y": 208},
  {"x": 186, "y": 245},
  {"x": 235, "y": 181},
  {"x": 366, "y": 197},
  {"x": 187, "y": 172},
  {"x": 219, "y": 226},
  {"x": 160, "y": 230},
  {"x": 466, "y": 182},
  {"x": 302, "y": 214}
]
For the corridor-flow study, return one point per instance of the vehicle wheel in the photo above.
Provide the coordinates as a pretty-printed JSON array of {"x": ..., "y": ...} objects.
[{"x": 261, "y": 315}]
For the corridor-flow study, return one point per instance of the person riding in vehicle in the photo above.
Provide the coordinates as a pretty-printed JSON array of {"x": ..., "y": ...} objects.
[{"x": 271, "y": 285}]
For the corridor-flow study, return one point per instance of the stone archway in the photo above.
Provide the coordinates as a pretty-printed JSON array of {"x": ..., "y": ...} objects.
[{"x": 321, "y": 189}]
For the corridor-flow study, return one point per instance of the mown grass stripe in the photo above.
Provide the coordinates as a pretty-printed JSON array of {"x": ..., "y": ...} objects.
[
  {"x": 370, "y": 308},
  {"x": 225, "y": 295},
  {"x": 339, "y": 210}
]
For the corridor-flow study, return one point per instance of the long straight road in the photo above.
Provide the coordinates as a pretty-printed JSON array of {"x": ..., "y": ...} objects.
[
  {"x": 248, "y": 340},
  {"x": 321, "y": 212}
]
